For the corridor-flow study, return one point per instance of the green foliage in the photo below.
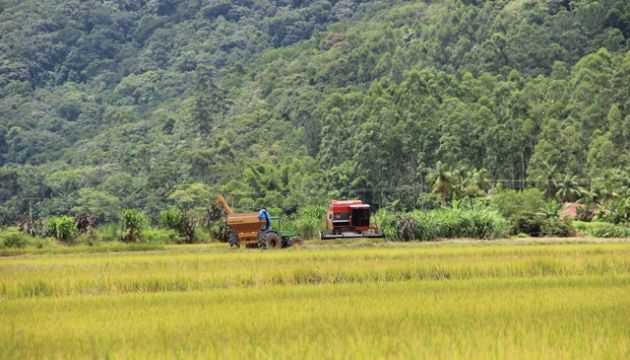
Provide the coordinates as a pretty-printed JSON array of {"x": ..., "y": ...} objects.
[
  {"x": 133, "y": 223},
  {"x": 61, "y": 228},
  {"x": 102, "y": 205},
  {"x": 584, "y": 214},
  {"x": 525, "y": 210},
  {"x": 187, "y": 227},
  {"x": 386, "y": 223},
  {"x": 557, "y": 227},
  {"x": 214, "y": 220},
  {"x": 310, "y": 221},
  {"x": 161, "y": 236},
  {"x": 569, "y": 189},
  {"x": 460, "y": 223},
  {"x": 183, "y": 222},
  {"x": 407, "y": 228},
  {"x": 281, "y": 106},
  {"x": 171, "y": 219},
  {"x": 203, "y": 235},
  {"x": 616, "y": 212},
  {"x": 89, "y": 237},
  {"x": 602, "y": 229},
  {"x": 445, "y": 223},
  {"x": 219, "y": 230},
  {"x": 108, "y": 232},
  {"x": 510, "y": 202},
  {"x": 32, "y": 227},
  {"x": 527, "y": 223},
  {"x": 549, "y": 210},
  {"x": 427, "y": 201},
  {"x": 192, "y": 196},
  {"x": 212, "y": 214},
  {"x": 13, "y": 238},
  {"x": 442, "y": 181}
]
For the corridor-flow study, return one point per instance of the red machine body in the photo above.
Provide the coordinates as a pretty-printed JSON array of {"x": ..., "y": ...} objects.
[{"x": 348, "y": 219}]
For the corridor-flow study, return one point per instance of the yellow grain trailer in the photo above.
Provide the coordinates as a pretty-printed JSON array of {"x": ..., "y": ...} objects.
[{"x": 247, "y": 230}]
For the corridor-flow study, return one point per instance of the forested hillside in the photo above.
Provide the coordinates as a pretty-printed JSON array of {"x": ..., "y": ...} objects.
[{"x": 106, "y": 105}]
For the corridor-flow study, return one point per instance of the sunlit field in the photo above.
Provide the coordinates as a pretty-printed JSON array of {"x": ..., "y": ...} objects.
[{"x": 333, "y": 300}]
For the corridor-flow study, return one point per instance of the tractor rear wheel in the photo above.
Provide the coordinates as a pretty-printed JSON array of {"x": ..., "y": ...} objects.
[
  {"x": 269, "y": 240},
  {"x": 274, "y": 241},
  {"x": 295, "y": 241}
]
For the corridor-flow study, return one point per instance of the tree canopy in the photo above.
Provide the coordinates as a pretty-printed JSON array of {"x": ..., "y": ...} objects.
[{"x": 146, "y": 104}]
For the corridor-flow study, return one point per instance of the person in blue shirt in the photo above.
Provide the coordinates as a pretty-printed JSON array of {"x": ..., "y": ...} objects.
[{"x": 264, "y": 215}]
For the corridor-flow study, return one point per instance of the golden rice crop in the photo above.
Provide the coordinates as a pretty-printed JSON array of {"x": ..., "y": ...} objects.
[{"x": 454, "y": 301}]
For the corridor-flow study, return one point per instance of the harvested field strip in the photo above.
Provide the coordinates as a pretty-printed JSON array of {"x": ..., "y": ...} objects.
[{"x": 98, "y": 274}]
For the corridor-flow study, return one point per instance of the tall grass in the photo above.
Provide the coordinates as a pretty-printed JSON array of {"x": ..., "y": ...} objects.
[
  {"x": 161, "y": 236},
  {"x": 386, "y": 223},
  {"x": 310, "y": 221},
  {"x": 443, "y": 223},
  {"x": 108, "y": 232}
]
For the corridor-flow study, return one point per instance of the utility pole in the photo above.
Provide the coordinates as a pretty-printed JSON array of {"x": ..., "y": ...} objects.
[{"x": 30, "y": 207}]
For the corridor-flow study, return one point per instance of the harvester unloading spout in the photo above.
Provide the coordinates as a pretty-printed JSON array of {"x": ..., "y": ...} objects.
[{"x": 220, "y": 200}]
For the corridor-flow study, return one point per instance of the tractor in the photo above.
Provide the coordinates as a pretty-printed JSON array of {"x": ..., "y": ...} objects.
[
  {"x": 349, "y": 219},
  {"x": 248, "y": 229}
]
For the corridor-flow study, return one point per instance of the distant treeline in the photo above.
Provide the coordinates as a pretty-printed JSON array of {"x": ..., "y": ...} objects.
[{"x": 122, "y": 104}]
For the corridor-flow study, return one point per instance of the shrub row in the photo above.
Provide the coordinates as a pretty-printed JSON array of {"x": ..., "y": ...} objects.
[
  {"x": 602, "y": 229},
  {"x": 444, "y": 223},
  {"x": 176, "y": 226},
  {"x": 13, "y": 237}
]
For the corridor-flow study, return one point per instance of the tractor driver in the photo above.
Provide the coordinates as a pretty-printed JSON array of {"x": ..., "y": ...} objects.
[{"x": 264, "y": 215}]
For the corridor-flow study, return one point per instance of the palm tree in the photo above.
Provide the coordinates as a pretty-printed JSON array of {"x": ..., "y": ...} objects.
[
  {"x": 482, "y": 180},
  {"x": 441, "y": 180},
  {"x": 475, "y": 183},
  {"x": 549, "y": 210},
  {"x": 459, "y": 182},
  {"x": 569, "y": 190},
  {"x": 605, "y": 189},
  {"x": 467, "y": 183},
  {"x": 546, "y": 179}
]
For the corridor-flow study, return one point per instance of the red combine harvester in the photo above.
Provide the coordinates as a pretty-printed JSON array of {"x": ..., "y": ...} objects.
[{"x": 349, "y": 219}]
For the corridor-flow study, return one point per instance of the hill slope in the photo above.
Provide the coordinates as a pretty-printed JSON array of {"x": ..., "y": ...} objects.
[{"x": 111, "y": 104}]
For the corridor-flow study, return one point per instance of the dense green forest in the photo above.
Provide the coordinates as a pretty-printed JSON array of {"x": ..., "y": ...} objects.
[{"x": 114, "y": 104}]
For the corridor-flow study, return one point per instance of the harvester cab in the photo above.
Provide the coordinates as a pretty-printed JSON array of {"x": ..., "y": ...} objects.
[{"x": 349, "y": 219}]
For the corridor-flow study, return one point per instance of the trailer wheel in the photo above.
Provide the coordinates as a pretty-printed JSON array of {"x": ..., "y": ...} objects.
[
  {"x": 261, "y": 240},
  {"x": 295, "y": 241},
  {"x": 233, "y": 240}
]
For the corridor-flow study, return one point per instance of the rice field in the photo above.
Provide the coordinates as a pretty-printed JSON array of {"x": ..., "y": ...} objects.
[{"x": 334, "y": 300}]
